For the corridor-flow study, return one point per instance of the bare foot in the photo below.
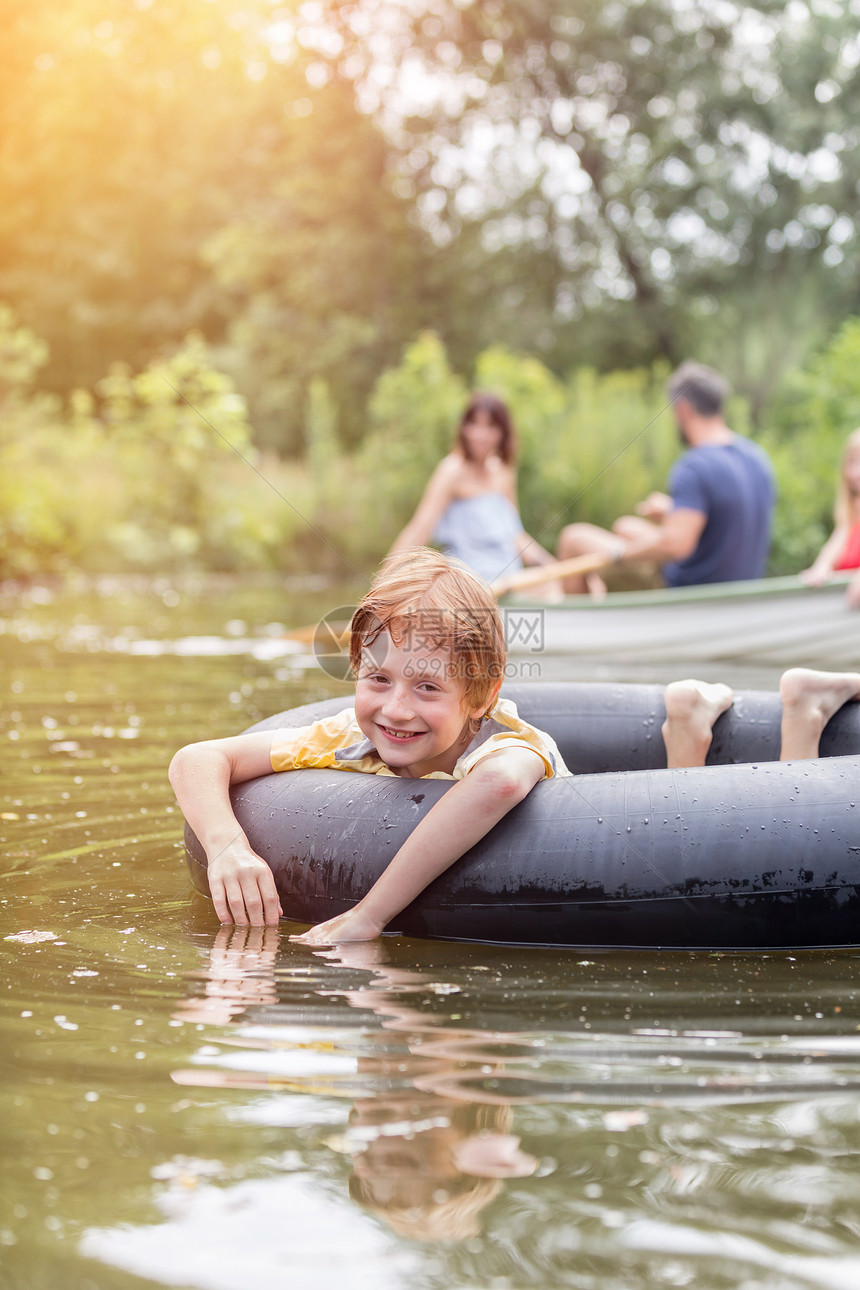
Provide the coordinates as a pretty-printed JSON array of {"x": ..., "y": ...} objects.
[
  {"x": 692, "y": 707},
  {"x": 809, "y": 700}
]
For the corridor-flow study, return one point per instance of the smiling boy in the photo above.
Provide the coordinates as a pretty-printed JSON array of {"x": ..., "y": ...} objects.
[{"x": 428, "y": 651}]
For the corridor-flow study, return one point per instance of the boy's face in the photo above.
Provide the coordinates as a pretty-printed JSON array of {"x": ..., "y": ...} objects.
[{"x": 411, "y": 704}]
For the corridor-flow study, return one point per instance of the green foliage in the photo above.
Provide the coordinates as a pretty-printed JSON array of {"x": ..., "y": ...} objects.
[
  {"x": 159, "y": 473},
  {"x": 167, "y": 425},
  {"x": 644, "y": 178},
  {"x": 818, "y": 409},
  {"x": 320, "y": 269},
  {"x": 22, "y": 354},
  {"x": 614, "y": 445},
  {"x": 232, "y": 187},
  {"x": 33, "y": 485},
  {"x": 599, "y": 185},
  {"x": 321, "y": 441},
  {"x": 414, "y": 410}
]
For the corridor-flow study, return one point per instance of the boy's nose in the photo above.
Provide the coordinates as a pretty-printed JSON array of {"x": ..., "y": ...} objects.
[{"x": 398, "y": 705}]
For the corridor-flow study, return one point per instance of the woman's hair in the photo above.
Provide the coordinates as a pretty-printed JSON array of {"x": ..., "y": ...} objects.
[
  {"x": 500, "y": 416},
  {"x": 425, "y": 598},
  {"x": 844, "y": 510}
]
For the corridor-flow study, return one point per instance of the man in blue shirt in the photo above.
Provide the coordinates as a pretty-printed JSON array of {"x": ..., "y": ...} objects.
[{"x": 714, "y": 525}]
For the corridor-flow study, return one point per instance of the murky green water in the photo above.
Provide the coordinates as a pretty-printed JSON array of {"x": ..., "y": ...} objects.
[{"x": 190, "y": 1106}]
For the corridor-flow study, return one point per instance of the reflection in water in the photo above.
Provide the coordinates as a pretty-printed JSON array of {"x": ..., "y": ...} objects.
[
  {"x": 425, "y": 1163},
  {"x": 660, "y": 1144}
]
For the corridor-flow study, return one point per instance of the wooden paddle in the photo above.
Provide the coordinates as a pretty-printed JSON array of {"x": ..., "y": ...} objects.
[
  {"x": 579, "y": 564},
  {"x": 334, "y": 632}
]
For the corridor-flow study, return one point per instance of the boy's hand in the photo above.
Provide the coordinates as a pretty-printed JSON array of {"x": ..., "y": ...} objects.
[
  {"x": 460, "y": 818},
  {"x": 354, "y": 925},
  {"x": 242, "y": 887}
]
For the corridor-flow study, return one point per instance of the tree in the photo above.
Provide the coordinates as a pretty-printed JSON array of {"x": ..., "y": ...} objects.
[
  {"x": 170, "y": 165},
  {"x": 322, "y": 267},
  {"x": 654, "y": 177}
]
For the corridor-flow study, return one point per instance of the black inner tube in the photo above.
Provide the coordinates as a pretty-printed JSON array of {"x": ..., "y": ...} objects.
[{"x": 744, "y": 853}]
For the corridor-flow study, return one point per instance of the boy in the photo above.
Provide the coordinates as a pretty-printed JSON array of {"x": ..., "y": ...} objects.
[{"x": 428, "y": 651}]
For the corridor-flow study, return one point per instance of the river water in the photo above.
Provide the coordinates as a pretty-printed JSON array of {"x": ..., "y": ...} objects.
[{"x": 186, "y": 1105}]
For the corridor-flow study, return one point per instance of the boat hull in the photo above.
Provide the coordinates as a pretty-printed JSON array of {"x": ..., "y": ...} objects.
[
  {"x": 745, "y": 853},
  {"x": 779, "y": 622}
]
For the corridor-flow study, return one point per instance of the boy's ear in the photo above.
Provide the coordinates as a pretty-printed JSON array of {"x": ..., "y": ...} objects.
[{"x": 485, "y": 708}]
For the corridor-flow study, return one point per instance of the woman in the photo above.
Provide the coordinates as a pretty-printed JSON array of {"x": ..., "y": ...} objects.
[
  {"x": 469, "y": 506},
  {"x": 842, "y": 548}
]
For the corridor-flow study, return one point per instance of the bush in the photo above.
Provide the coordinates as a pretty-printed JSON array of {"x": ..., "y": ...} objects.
[
  {"x": 414, "y": 410},
  {"x": 158, "y": 470},
  {"x": 817, "y": 411},
  {"x": 160, "y": 474}
]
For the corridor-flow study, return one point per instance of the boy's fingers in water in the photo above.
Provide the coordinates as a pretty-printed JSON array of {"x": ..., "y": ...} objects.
[
  {"x": 246, "y": 897},
  {"x": 219, "y": 900},
  {"x": 272, "y": 910}
]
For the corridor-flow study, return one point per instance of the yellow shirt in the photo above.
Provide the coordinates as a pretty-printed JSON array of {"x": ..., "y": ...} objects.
[{"x": 337, "y": 743}]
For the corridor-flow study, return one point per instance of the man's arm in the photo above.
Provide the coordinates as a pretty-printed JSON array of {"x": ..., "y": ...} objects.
[
  {"x": 456, "y": 822},
  {"x": 241, "y": 883},
  {"x": 675, "y": 538}
]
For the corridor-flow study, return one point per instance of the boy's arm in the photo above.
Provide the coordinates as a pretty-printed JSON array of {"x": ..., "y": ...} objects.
[
  {"x": 456, "y": 822},
  {"x": 241, "y": 883}
]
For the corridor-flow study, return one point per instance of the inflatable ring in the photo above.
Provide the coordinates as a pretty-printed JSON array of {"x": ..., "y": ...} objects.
[{"x": 744, "y": 853}]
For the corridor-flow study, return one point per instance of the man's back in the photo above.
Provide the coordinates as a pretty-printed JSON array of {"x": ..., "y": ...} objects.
[{"x": 732, "y": 484}]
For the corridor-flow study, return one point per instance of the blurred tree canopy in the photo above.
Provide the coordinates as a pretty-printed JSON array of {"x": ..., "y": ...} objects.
[
  {"x": 560, "y": 198},
  {"x": 309, "y": 184},
  {"x": 172, "y": 164},
  {"x": 644, "y": 177}
]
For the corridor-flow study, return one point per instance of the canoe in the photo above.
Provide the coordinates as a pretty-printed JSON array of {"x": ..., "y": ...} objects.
[
  {"x": 744, "y": 853},
  {"x": 773, "y": 621}
]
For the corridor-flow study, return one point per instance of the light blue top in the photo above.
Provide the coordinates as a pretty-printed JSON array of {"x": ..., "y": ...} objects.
[{"x": 481, "y": 531}]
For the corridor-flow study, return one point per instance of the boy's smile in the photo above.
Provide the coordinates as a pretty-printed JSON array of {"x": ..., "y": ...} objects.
[{"x": 411, "y": 705}]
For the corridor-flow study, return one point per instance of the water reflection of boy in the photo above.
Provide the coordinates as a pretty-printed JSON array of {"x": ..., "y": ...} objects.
[
  {"x": 432, "y": 1182},
  {"x": 240, "y": 974},
  {"x": 426, "y": 1164}
]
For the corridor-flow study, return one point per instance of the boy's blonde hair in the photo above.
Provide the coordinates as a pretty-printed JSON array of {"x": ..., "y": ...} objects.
[
  {"x": 423, "y": 597},
  {"x": 844, "y": 510}
]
